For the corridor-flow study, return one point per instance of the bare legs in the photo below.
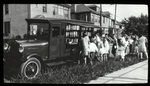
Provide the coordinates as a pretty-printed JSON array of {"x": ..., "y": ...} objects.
[{"x": 145, "y": 53}]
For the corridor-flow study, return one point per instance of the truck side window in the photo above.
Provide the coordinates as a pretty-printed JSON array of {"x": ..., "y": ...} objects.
[
  {"x": 55, "y": 31},
  {"x": 33, "y": 29}
]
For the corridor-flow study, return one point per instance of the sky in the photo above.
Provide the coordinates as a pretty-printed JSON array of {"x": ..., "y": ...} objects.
[{"x": 125, "y": 10}]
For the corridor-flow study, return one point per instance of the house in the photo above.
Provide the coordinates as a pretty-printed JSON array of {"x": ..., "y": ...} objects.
[
  {"x": 14, "y": 15},
  {"x": 91, "y": 13}
]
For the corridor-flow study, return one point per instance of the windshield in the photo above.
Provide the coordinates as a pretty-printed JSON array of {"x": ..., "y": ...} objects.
[{"x": 38, "y": 31}]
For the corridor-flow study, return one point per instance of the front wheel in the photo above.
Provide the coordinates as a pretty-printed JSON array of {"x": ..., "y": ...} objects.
[{"x": 31, "y": 68}]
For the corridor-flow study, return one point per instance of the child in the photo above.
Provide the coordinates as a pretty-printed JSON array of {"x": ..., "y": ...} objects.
[
  {"x": 101, "y": 50},
  {"x": 120, "y": 50},
  {"x": 93, "y": 50},
  {"x": 126, "y": 45},
  {"x": 135, "y": 47},
  {"x": 106, "y": 48}
]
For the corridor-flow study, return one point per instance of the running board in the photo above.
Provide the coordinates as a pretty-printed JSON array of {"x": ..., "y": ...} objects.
[
  {"x": 58, "y": 63},
  {"x": 55, "y": 63}
]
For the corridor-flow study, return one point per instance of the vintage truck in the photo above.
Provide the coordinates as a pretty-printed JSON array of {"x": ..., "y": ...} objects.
[{"x": 47, "y": 39}]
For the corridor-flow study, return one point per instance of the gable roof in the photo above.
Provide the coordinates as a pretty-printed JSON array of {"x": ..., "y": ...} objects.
[
  {"x": 82, "y": 8},
  {"x": 106, "y": 13}
]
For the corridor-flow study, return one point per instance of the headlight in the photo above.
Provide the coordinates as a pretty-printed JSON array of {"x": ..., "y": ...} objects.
[
  {"x": 5, "y": 46},
  {"x": 21, "y": 49}
]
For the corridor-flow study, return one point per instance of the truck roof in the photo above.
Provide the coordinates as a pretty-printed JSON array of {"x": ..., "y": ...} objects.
[
  {"x": 55, "y": 19},
  {"x": 71, "y": 21}
]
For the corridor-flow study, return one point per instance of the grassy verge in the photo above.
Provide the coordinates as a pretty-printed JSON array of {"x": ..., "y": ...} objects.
[{"x": 78, "y": 74}]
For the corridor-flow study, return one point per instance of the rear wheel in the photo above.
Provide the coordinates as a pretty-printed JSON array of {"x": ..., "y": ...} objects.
[{"x": 31, "y": 68}]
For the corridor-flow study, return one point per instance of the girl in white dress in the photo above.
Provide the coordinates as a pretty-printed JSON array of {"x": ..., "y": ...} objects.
[
  {"x": 135, "y": 47},
  {"x": 106, "y": 48},
  {"x": 98, "y": 42},
  {"x": 120, "y": 50},
  {"x": 93, "y": 50}
]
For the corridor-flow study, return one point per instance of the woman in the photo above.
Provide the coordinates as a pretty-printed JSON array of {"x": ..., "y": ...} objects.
[
  {"x": 142, "y": 46},
  {"x": 85, "y": 46}
]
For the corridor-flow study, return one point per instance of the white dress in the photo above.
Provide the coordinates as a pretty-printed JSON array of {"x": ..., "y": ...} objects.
[
  {"x": 120, "y": 51},
  {"x": 106, "y": 47},
  {"x": 93, "y": 47},
  {"x": 142, "y": 46},
  {"x": 100, "y": 46}
]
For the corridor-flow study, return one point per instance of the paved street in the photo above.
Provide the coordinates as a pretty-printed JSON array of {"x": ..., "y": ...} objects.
[{"x": 137, "y": 73}]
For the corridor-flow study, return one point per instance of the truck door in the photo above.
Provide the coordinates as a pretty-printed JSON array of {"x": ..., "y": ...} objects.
[{"x": 55, "y": 40}]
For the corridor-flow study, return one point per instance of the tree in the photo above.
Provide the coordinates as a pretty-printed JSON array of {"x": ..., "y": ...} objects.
[{"x": 136, "y": 25}]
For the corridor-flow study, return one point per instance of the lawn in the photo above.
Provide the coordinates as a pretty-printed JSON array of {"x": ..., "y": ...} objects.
[{"x": 78, "y": 74}]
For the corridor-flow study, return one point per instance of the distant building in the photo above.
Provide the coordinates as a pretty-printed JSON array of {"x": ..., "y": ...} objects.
[
  {"x": 91, "y": 13},
  {"x": 14, "y": 15}
]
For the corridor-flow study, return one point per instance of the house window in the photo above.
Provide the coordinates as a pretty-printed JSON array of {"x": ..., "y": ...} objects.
[
  {"x": 103, "y": 19},
  {"x": 98, "y": 9},
  {"x": 60, "y": 11},
  {"x": 6, "y": 9},
  {"x": 66, "y": 13},
  {"x": 82, "y": 17},
  {"x": 7, "y": 28},
  {"x": 98, "y": 19},
  {"x": 92, "y": 18},
  {"x": 45, "y": 8},
  {"x": 55, "y": 11}
]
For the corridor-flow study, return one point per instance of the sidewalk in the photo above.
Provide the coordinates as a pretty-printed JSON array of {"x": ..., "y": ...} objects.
[{"x": 137, "y": 73}]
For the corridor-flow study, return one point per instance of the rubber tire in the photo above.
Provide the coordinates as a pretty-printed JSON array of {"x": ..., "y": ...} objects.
[{"x": 24, "y": 65}]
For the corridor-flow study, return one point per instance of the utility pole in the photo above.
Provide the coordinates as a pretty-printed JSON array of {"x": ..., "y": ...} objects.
[
  {"x": 115, "y": 11},
  {"x": 115, "y": 19},
  {"x": 100, "y": 16}
]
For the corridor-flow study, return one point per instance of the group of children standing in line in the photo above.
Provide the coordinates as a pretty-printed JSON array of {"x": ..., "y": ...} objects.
[
  {"x": 98, "y": 45},
  {"x": 95, "y": 46}
]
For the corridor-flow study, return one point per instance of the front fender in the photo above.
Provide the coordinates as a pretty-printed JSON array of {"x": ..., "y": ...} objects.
[{"x": 25, "y": 58}]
